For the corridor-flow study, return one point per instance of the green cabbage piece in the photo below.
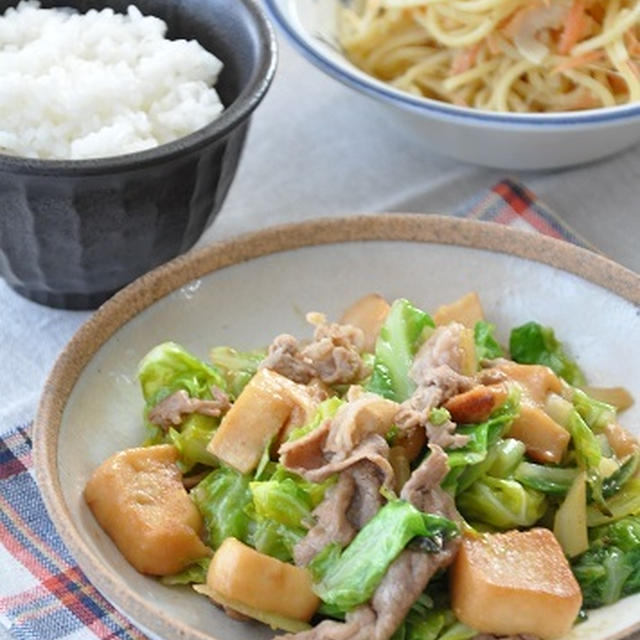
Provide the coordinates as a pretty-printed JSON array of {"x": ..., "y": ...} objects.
[
  {"x": 626, "y": 502},
  {"x": 532, "y": 343},
  {"x": 326, "y": 409},
  {"x": 431, "y": 617},
  {"x": 401, "y": 335},
  {"x": 551, "y": 480},
  {"x": 223, "y": 498},
  {"x": 270, "y": 515},
  {"x": 610, "y": 568},
  {"x": 508, "y": 454},
  {"x": 284, "y": 502},
  {"x": 615, "y": 482},
  {"x": 192, "y": 439},
  {"x": 596, "y": 414},
  {"x": 349, "y": 578},
  {"x": 502, "y": 503},
  {"x": 438, "y": 416},
  {"x": 195, "y": 573},
  {"x": 237, "y": 367},
  {"x": 486, "y": 344},
  {"x": 470, "y": 462},
  {"x": 588, "y": 454},
  {"x": 169, "y": 367}
]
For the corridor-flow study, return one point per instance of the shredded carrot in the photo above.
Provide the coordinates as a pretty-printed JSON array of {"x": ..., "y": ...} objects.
[
  {"x": 573, "y": 27},
  {"x": 572, "y": 63},
  {"x": 465, "y": 59}
]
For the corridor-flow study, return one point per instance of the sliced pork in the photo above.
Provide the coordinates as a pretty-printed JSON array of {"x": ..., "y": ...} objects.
[{"x": 171, "y": 411}]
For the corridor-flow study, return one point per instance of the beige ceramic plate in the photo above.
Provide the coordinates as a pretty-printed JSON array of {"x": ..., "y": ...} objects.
[{"x": 244, "y": 292}]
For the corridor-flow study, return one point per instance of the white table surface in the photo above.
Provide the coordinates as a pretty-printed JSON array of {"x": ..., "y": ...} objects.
[{"x": 316, "y": 148}]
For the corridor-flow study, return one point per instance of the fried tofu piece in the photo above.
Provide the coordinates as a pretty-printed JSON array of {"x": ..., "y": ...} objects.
[
  {"x": 241, "y": 574},
  {"x": 545, "y": 439},
  {"x": 512, "y": 583},
  {"x": 477, "y": 404},
  {"x": 265, "y": 407},
  {"x": 466, "y": 310},
  {"x": 536, "y": 379},
  {"x": 367, "y": 313},
  {"x": 138, "y": 498}
]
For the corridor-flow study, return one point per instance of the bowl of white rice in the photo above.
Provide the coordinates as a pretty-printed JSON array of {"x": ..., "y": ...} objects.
[{"x": 121, "y": 127}]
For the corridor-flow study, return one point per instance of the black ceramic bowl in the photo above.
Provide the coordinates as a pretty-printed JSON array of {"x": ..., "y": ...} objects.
[{"x": 74, "y": 232}]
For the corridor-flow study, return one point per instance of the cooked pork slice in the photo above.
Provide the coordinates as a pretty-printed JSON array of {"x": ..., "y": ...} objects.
[
  {"x": 414, "y": 411},
  {"x": 284, "y": 357},
  {"x": 366, "y": 500},
  {"x": 333, "y": 356},
  {"x": 445, "y": 436},
  {"x": 373, "y": 448},
  {"x": 347, "y": 507},
  {"x": 332, "y": 523},
  {"x": 443, "y": 348},
  {"x": 365, "y": 413},
  {"x": 171, "y": 411}
]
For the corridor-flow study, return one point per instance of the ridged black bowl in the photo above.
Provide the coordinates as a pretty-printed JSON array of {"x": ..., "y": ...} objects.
[{"x": 74, "y": 232}]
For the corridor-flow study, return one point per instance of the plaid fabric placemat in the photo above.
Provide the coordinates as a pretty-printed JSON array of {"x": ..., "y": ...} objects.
[{"x": 43, "y": 593}]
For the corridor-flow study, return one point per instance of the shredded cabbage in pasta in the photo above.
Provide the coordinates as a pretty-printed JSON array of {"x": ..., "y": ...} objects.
[{"x": 500, "y": 55}]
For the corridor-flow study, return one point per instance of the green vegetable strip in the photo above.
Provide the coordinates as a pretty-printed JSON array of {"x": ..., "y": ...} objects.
[
  {"x": 610, "y": 568},
  {"x": 195, "y": 573},
  {"x": 349, "y": 578},
  {"x": 223, "y": 498},
  {"x": 508, "y": 455},
  {"x": 588, "y": 455},
  {"x": 169, "y": 367},
  {"x": 192, "y": 440},
  {"x": 595, "y": 413},
  {"x": 486, "y": 345},
  {"x": 615, "y": 482},
  {"x": 326, "y": 409},
  {"x": 400, "y": 337},
  {"x": 284, "y": 502},
  {"x": 238, "y": 367},
  {"x": 501, "y": 503},
  {"x": 553, "y": 480},
  {"x": 534, "y": 344},
  {"x": 624, "y": 503}
]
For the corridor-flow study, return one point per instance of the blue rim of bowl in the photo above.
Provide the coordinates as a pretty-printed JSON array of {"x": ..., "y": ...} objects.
[
  {"x": 380, "y": 90},
  {"x": 238, "y": 111}
]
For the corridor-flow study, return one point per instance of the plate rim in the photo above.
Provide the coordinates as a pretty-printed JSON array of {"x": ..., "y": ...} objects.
[{"x": 161, "y": 281}]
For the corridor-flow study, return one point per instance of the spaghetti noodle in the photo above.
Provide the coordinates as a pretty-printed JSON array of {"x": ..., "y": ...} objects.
[{"x": 500, "y": 55}]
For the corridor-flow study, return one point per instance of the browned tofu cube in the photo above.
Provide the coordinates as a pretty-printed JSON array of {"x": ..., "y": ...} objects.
[
  {"x": 368, "y": 314},
  {"x": 477, "y": 404},
  {"x": 260, "y": 582},
  {"x": 138, "y": 498},
  {"x": 537, "y": 380},
  {"x": 545, "y": 439},
  {"x": 466, "y": 310},
  {"x": 264, "y": 408},
  {"x": 512, "y": 583}
]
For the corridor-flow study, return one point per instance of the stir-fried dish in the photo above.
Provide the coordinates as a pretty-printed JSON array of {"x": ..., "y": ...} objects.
[{"x": 397, "y": 475}]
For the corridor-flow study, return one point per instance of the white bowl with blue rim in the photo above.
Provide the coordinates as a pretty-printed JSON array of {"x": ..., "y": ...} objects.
[{"x": 505, "y": 140}]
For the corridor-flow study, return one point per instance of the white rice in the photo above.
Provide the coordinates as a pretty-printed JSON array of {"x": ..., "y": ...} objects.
[{"x": 98, "y": 84}]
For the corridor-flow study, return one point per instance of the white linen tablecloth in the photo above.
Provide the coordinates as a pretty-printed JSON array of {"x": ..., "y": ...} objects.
[{"x": 316, "y": 148}]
